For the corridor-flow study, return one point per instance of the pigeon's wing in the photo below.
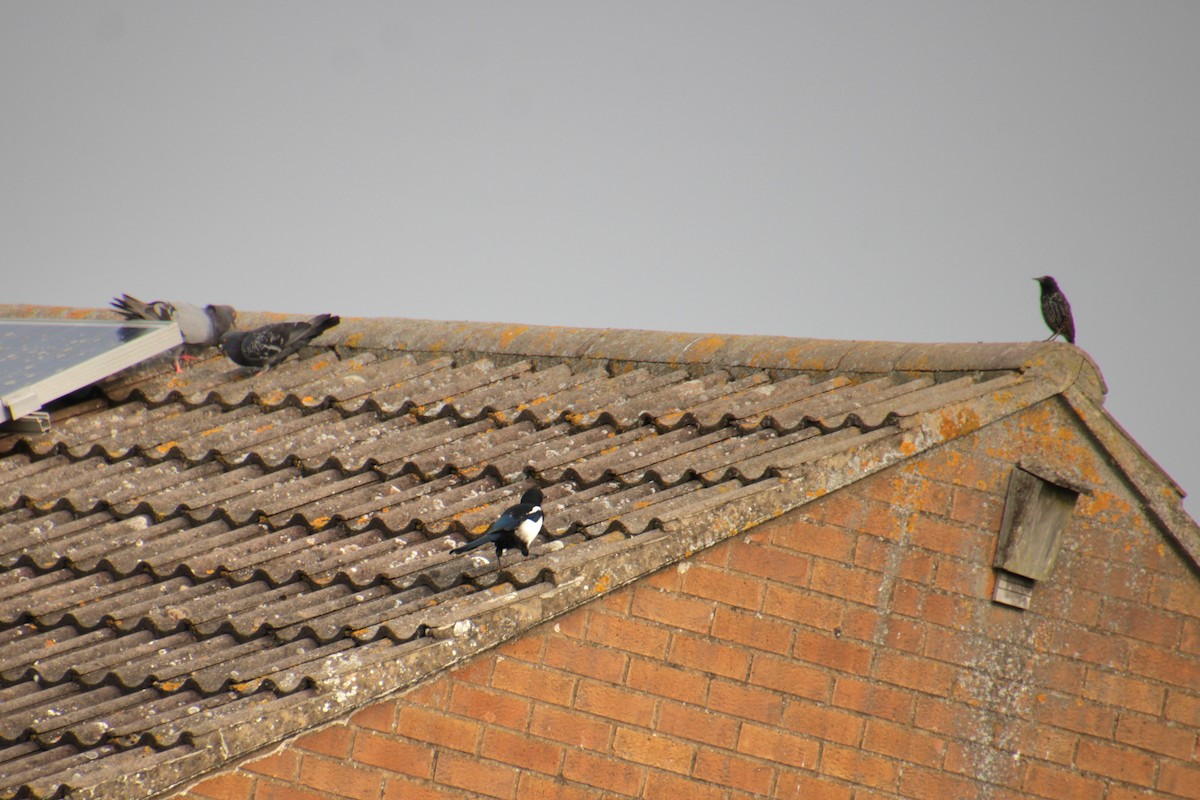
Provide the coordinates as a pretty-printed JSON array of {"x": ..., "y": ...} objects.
[
  {"x": 161, "y": 309},
  {"x": 266, "y": 345},
  {"x": 291, "y": 337},
  {"x": 195, "y": 325},
  {"x": 131, "y": 308},
  {"x": 301, "y": 333}
]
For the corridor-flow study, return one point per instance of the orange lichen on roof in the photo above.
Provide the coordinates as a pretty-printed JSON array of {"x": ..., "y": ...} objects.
[
  {"x": 958, "y": 422},
  {"x": 510, "y": 333},
  {"x": 705, "y": 347}
]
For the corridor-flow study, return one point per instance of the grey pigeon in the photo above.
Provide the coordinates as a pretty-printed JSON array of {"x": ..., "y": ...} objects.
[
  {"x": 199, "y": 327},
  {"x": 266, "y": 346}
]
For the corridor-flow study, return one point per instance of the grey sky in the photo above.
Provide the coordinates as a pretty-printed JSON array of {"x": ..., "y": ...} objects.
[{"x": 837, "y": 169}]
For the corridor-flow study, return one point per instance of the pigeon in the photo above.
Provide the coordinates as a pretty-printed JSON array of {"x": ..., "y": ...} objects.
[
  {"x": 1056, "y": 310},
  {"x": 199, "y": 327},
  {"x": 267, "y": 346},
  {"x": 516, "y": 529}
]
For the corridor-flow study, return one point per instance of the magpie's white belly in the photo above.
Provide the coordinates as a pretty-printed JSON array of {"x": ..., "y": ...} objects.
[{"x": 528, "y": 530}]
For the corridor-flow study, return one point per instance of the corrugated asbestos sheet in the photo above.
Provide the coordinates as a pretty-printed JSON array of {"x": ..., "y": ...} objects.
[{"x": 195, "y": 566}]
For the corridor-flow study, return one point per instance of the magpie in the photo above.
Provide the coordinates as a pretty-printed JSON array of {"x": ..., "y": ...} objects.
[
  {"x": 267, "y": 346},
  {"x": 1056, "y": 310},
  {"x": 516, "y": 529}
]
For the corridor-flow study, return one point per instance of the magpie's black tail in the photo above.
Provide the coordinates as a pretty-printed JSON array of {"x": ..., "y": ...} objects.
[{"x": 480, "y": 542}]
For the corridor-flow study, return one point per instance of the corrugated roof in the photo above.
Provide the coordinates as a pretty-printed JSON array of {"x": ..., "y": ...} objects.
[{"x": 196, "y": 566}]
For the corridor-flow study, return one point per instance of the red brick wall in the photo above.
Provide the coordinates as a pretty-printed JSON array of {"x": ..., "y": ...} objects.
[{"x": 849, "y": 651}]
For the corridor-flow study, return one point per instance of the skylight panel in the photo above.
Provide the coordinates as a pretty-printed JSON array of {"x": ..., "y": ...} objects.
[{"x": 42, "y": 360}]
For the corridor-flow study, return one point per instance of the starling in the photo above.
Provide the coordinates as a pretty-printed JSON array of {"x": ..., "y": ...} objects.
[{"x": 1056, "y": 310}]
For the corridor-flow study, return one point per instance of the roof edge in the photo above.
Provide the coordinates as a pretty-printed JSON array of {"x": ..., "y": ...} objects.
[
  {"x": 1161, "y": 496},
  {"x": 1062, "y": 365}
]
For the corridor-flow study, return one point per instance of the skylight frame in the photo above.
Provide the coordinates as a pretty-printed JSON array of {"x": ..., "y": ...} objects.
[{"x": 27, "y": 399}]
